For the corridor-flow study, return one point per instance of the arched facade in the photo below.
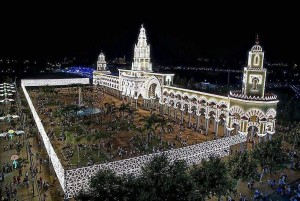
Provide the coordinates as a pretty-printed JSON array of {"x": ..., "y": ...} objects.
[{"x": 238, "y": 112}]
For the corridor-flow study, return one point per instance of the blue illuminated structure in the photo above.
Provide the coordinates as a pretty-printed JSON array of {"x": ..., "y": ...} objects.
[{"x": 78, "y": 70}]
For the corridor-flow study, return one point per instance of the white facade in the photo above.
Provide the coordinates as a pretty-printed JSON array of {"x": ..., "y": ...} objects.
[{"x": 240, "y": 111}]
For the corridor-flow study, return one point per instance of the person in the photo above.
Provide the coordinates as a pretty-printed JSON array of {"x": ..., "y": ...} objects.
[{"x": 44, "y": 197}]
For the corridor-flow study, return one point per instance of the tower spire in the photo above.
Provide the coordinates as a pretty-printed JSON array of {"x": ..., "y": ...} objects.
[
  {"x": 142, "y": 36},
  {"x": 257, "y": 39},
  {"x": 141, "y": 59}
]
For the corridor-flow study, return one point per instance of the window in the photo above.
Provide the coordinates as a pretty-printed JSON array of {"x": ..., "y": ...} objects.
[
  {"x": 254, "y": 83},
  {"x": 256, "y": 60}
]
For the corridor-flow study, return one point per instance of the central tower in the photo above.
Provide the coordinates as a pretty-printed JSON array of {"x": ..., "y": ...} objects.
[{"x": 141, "y": 59}]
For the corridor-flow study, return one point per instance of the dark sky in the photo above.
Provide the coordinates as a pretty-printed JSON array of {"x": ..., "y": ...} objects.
[{"x": 178, "y": 34}]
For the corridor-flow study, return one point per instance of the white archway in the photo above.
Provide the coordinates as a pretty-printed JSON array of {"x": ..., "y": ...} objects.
[{"x": 149, "y": 83}]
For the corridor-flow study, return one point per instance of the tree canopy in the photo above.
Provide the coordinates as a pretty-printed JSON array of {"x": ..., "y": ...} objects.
[
  {"x": 243, "y": 166},
  {"x": 270, "y": 155}
]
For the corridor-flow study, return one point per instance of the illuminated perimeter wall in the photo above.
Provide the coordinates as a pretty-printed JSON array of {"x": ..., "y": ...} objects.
[{"x": 73, "y": 180}]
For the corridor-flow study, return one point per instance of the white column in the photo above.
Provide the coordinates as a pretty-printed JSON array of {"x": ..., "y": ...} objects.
[
  {"x": 175, "y": 112},
  {"x": 198, "y": 119},
  {"x": 181, "y": 116},
  {"x": 217, "y": 127},
  {"x": 206, "y": 124},
  {"x": 224, "y": 129},
  {"x": 189, "y": 123},
  {"x": 136, "y": 100}
]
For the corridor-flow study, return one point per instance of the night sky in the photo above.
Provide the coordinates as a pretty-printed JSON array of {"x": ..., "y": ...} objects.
[{"x": 177, "y": 35}]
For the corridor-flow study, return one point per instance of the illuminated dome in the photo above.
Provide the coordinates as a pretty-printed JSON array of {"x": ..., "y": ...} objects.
[
  {"x": 101, "y": 55},
  {"x": 256, "y": 48}
]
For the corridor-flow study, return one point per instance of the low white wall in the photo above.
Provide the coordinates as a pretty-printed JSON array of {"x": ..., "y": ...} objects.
[
  {"x": 77, "y": 179},
  {"x": 55, "y": 82},
  {"x": 57, "y": 166}
]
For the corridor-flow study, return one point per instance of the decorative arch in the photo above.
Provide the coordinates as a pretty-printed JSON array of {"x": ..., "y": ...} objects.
[
  {"x": 235, "y": 122},
  {"x": 222, "y": 116},
  {"x": 213, "y": 101},
  {"x": 193, "y": 97},
  {"x": 236, "y": 110},
  {"x": 185, "y": 94},
  {"x": 255, "y": 112},
  {"x": 165, "y": 93},
  {"x": 223, "y": 103},
  {"x": 271, "y": 113},
  {"x": 185, "y": 97},
  {"x": 256, "y": 60},
  {"x": 172, "y": 94},
  {"x": 202, "y": 98},
  {"x": 171, "y": 102},
  {"x": 255, "y": 124},
  {"x": 178, "y": 105}
]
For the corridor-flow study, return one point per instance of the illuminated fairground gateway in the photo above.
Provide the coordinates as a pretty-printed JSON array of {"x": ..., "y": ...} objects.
[{"x": 249, "y": 111}]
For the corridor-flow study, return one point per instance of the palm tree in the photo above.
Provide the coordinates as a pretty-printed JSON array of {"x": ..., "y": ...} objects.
[
  {"x": 69, "y": 138},
  {"x": 149, "y": 123},
  {"x": 131, "y": 111},
  {"x": 106, "y": 105},
  {"x": 123, "y": 108},
  {"x": 97, "y": 137},
  {"x": 77, "y": 140},
  {"x": 162, "y": 122}
]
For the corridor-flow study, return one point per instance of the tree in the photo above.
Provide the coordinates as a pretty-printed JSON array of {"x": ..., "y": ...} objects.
[
  {"x": 212, "y": 179},
  {"x": 149, "y": 123},
  {"x": 69, "y": 138},
  {"x": 162, "y": 123},
  {"x": 294, "y": 137},
  {"x": 77, "y": 140},
  {"x": 123, "y": 108},
  {"x": 161, "y": 180},
  {"x": 106, "y": 185},
  {"x": 131, "y": 183},
  {"x": 191, "y": 83},
  {"x": 242, "y": 167},
  {"x": 270, "y": 155}
]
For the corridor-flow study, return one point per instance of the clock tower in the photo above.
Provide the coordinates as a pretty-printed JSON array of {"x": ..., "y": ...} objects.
[{"x": 254, "y": 78}]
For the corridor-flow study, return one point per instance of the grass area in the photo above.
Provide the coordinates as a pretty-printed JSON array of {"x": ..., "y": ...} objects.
[
  {"x": 52, "y": 103},
  {"x": 85, "y": 154},
  {"x": 113, "y": 128}
]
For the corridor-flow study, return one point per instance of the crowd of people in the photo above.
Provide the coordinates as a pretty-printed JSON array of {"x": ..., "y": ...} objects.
[{"x": 17, "y": 177}]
